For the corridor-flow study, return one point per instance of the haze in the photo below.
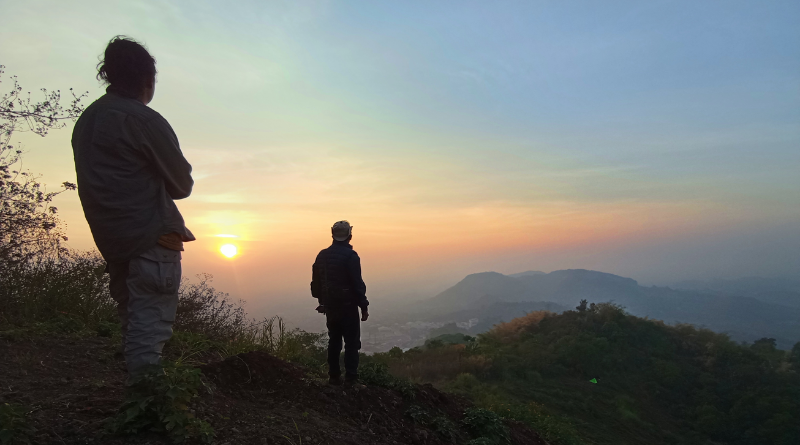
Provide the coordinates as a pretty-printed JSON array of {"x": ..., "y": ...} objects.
[{"x": 652, "y": 140}]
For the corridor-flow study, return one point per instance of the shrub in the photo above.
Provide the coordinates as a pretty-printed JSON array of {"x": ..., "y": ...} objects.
[
  {"x": 204, "y": 310},
  {"x": 378, "y": 374},
  {"x": 486, "y": 425},
  {"x": 439, "y": 364},
  {"x": 439, "y": 423},
  {"x": 511, "y": 330},
  {"x": 71, "y": 284},
  {"x": 159, "y": 402},
  {"x": 552, "y": 428}
]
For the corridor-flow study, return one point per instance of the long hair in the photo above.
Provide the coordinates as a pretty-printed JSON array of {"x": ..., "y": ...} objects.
[{"x": 126, "y": 66}]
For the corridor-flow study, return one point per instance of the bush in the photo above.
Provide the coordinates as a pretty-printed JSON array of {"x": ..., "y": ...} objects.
[
  {"x": 485, "y": 425},
  {"x": 439, "y": 423},
  {"x": 378, "y": 374},
  {"x": 438, "y": 364},
  {"x": 72, "y": 284},
  {"x": 204, "y": 310},
  {"x": 552, "y": 428},
  {"x": 159, "y": 402}
]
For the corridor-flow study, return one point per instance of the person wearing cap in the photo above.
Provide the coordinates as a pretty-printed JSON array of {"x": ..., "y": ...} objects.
[{"x": 337, "y": 284}]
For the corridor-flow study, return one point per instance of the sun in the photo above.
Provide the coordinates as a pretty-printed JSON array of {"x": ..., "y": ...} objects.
[{"x": 229, "y": 250}]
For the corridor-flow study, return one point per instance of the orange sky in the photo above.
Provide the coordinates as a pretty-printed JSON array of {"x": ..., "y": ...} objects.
[{"x": 599, "y": 138}]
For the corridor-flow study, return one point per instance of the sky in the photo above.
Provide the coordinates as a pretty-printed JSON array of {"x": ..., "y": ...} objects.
[{"x": 655, "y": 140}]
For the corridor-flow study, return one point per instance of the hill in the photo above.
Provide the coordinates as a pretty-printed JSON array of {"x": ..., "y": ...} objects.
[
  {"x": 597, "y": 375},
  {"x": 744, "y": 318},
  {"x": 69, "y": 387}
]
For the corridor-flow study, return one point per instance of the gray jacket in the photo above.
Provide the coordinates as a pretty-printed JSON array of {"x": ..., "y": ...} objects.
[{"x": 130, "y": 169}]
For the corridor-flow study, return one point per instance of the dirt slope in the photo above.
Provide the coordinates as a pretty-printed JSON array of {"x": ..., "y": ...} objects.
[{"x": 72, "y": 385}]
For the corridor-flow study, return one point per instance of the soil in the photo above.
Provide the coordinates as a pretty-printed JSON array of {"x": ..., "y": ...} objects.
[{"x": 71, "y": 386}]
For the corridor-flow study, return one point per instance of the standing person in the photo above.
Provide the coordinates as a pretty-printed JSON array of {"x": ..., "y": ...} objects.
[
  {"x": 130, "y": 169},
  {"x": 336, "y": 282}
]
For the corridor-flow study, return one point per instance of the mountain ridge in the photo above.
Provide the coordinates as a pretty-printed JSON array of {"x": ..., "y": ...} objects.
[{"x": 744, "y": 318}]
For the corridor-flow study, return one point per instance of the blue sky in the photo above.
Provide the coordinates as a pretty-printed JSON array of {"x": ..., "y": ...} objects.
[{"x": 501, "y": 136}]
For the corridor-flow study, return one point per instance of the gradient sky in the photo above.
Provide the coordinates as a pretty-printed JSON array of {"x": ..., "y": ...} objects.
[{"x": 657, "y": 140}]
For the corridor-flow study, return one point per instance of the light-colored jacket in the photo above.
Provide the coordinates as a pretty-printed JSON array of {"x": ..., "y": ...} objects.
[{"x": 130, "y": 169}]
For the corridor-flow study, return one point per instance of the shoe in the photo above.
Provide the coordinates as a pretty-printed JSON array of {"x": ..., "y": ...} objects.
[{"x": 336, "y": 381}]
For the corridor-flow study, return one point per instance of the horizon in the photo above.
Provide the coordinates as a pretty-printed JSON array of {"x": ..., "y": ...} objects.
[{"x": 654, "y": 142}]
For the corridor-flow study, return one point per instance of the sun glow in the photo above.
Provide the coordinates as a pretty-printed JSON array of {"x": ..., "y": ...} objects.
[{"x": 229, "y": 250}]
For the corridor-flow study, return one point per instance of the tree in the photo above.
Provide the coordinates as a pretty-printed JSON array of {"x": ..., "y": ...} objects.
[
  {"x": 29, "y": 226},
  {"x": 794, "y": 356}
]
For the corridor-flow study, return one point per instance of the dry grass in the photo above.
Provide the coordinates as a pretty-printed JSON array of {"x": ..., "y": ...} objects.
[{"x": 509, "y": 331}]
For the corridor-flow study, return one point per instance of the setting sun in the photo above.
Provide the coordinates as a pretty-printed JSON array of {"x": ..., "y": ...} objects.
[{"x": 229, "y": 250}]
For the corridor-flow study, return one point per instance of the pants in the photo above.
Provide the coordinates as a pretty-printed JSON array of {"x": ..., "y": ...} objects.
[
  {"x": 344, "y": 323},
  {"x": 146, "y": 291}
]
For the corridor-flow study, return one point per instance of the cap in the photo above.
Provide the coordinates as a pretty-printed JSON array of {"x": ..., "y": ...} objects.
[{"x": 341, "y": 230}]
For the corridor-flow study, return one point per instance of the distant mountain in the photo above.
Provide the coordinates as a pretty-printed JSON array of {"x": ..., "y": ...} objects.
[
  {"x": 526, "y": 274},
  {"x": 744, "y": 318},
  {"x": 565, "y": 287},
  {"x": 783, "y": 291},
  {"x": 484, "y": 286}
]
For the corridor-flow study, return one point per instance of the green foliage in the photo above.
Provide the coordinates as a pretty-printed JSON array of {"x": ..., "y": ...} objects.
[
  {"x": 700, "y": 377},
  {"x": 377, "y": 373},
  {"x": 395, "y": 352},
  {"x": 485, "y": 426},
  {"x": 30, "y": 233},
  {"x": 794, "y": 357},
  {"x": 553, "y": 428},
  {"x": 656, "y": 383},
  {"x": 271, "y": 336},
  {"x": 71, "y": 286},
  {"x": 107, "y": 329},
  {"x": 159, "y": 402},
  {"x": 439, "y": 423},
  {"x": 14, "y": 427},
  {"x": 449, "y": 339},
  {"x": 61, "y": 325}
]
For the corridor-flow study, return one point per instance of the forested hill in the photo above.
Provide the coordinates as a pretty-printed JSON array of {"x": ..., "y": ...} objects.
[
  {"x": 744, "y": 318},
  {"x": 598, "y": 375}
]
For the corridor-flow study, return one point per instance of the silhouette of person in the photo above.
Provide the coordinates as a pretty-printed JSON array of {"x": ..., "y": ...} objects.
[
  {"x": 130, "y": 170},
  {"x": 336, "y": 282}
]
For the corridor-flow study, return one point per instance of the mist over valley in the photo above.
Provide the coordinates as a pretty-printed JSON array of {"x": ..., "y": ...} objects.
[{"x": 745, "y": 309}]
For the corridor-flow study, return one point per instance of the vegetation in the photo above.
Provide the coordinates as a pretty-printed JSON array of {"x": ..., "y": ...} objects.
[
  {"x": 46, "y": 289},
  {"x": 438, "y": 422},
  {"x": 159, "y": 402},
  {"x": 655, "y": 383},
  {"x": 29, "y": 229},
  {"x": 377, "y": 373},
  {"x": 485, "y": 426}
]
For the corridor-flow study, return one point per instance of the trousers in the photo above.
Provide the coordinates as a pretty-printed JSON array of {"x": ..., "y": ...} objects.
[
  {"x": 343, "y": 323},
  {"x": 146, "y": 291}
]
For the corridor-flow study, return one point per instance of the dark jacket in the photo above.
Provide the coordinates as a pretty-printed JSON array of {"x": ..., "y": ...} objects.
[
  {"x": 130, "y": 169},
  {"x": 336, "y": 277}
]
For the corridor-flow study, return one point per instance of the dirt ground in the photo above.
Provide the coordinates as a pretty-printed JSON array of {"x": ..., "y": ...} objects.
[{"x": 71, "y": 386}]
